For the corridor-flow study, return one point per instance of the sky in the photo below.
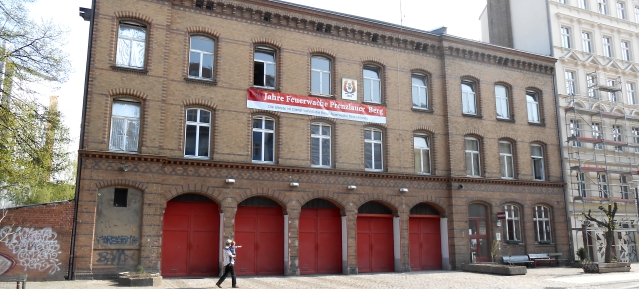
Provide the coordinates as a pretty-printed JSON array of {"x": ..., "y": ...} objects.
[{"x": 461, "y": 17}]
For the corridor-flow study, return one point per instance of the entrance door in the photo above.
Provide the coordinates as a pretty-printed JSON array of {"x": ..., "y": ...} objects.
[
  {"x": 190, "y": 238},
  {"x": 478, "y": 232},
  {"x": 320, "y": 240},
  {"x": 260, "y": 232},
  {"x": 425, "y": 243}
]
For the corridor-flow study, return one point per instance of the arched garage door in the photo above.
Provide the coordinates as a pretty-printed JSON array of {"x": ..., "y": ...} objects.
[
  {"x": 259, "y": 229},
  {"x": 320, "y": 238},
  {"x": 374, "y": 238},
  {"x": 425, "y": 238},
  {"x": 190, "y": 237}
]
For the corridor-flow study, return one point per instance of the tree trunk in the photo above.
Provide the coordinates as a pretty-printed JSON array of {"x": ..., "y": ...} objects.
[{"x": 609, "y": 242}]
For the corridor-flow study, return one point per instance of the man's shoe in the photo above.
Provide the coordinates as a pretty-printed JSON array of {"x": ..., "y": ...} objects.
[
  {"x": 218, "y": 285},
  {"x": 236, "y": 286}
]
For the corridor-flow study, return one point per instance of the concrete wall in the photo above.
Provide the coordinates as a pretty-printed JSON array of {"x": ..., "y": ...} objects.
[
  {"x": 530, "y": 26},
  {"x": 499, "y": 23}
]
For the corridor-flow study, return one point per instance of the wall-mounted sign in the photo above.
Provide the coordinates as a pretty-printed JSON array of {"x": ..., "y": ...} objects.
[
  {"x": 317, "y": 106},
  {"x": 349, "y": 89},
  {"x": 501, "y": 215}
]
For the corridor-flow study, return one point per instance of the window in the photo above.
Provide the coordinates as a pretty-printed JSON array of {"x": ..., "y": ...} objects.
[
  {"x": 623, "y": 181},
  {"x": 585, "y": 36},
  {"x": 592, "y": 83},
  {"x": 198, "y": 131},
  {"x": 120, "y": 197},
  {"x": 320, "y": 145},
  {"x": 372, "y": 84},
  {"x": 501, "y": 100},
  {"x": 616, "y": 136},
  {"x": 571, "y": 88},
  {"x": 637, "y": 14},
  {"x": 603, "y": 185},
  {"x": 532, "y": 103},
  {"x": 421, "y": 145},
  {"x": 602, "y": 7},
  {"x": 596, "y": 133},
  {"x": 583, "y": 4},
  {"x": 263, "y": 139},
  {"x": 635, "y": 137},
  {"x": 621, "y": 10},
  {"x": 320, "y": 75},
  {"x": 472, "y": 157},
  {"x": 537, "y": 154},
  {"x": 201, "y": 58},
  {"x": 469, "y": 101},
  {"x": 565, "y": 37},
  {"x": 562, "y": 1},
  {"x": 125, "y": 126},
  {"x": 420, "y": 91},
  {"x": 581, "y": 184},
  {"x": 575, "y": 132},
  {"x": 264, "y": 68},
  {"x": 506, "y": 159},
  {"x": 542, "y": 224},
  {"x": 513, "y": 226},
  {"x": 625, "y": 51},
  {"x": 612, "y": 95},
  {"x": 607, "y": 46},
  {"x": 131, "y": 45},
  {"x": 632, "y": 97},
  {"x": 373, "y": 149}
]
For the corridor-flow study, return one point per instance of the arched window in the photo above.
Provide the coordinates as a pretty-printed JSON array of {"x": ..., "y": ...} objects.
[
  {"x": 501, "y": 102},
  {"x": 197, "y": 133},
  {"x": 506, "y": 161},
  {"x": 469, "y": 99},
  {"x": 263, "y": 139},
  {"x": 320, "y": 145},
  {"x": 372, "y": 84},
  {"x": 537, "y": 155},
  {"x": 532, "y": 103},
  {"x": 542, "y": 224},
  {"x": 420, "y": 90},
  {"x": 513, "y": 225},
  {"x": 373, "y": 149},
  {"x": 473, "y": 157},
  {"x": 131, "y": 47},
  {"x": 201, "y": 57},
  {"x": 421, "y": 146},
  {"x": 320, "y": 75},
  {"x": 125, "y": 126}
]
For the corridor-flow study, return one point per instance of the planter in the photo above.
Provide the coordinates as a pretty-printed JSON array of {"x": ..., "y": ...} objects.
[
  {"x": 498, "y": 269},
  {"x": 576, "y": 264},
  {"x": 591, "y": 267},
  {"x": 130, "y": 279}
]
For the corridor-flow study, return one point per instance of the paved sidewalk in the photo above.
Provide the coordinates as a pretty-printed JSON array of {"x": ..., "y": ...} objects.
[{"x": 548, "y": 278}]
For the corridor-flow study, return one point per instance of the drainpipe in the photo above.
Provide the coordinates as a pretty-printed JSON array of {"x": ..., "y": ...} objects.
[{"x": 83, "y": 14}]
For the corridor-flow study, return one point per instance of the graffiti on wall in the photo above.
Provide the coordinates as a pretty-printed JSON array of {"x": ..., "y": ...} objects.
[
  {"x": 117, "y": 240},
  {"x": 116, "y": 258},
  {"x": 36, "y": 249}
]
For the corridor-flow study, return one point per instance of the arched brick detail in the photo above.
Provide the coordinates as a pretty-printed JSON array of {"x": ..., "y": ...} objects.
[
  {"x": 277, "y": 196},
  {"x": 373, "y": 60},
  {"x": 473, "y": 132},
  {"x": 203, "y": 30},
  {"x": 128, "y": 92},
  {"x": 323, "y": 51},
  {"x": 506, "y": 136},
  {"x": 512, "y": 201},
  {"x": 199, "y": 102},
  {"x": 381, "y": 126},
  {"x": 133, "y": 15},
  {"x": 195, "y": 188},
  {"x": 542, "y": 141},
  {"x": 120, "y": 182},
  {"x": 266, "y": 41},
  {"x": 429, "y": 200},
  {"x": 423, "y": 128},
  {"x": 255, "y": 112},
  {"x": 383, "y": 198},
  {"x": 327, "y": 195},
  {"x": 312, "y": 118}
]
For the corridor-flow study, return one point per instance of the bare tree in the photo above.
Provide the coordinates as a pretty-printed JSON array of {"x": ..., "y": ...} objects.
[{"x": 610, "y": 225}]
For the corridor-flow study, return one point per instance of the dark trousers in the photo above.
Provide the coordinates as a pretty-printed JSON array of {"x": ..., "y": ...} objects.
[{"x": 228, "y": 269}]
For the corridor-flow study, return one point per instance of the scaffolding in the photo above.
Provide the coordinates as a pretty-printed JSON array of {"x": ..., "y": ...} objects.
[{"x": 603, "y": 158}]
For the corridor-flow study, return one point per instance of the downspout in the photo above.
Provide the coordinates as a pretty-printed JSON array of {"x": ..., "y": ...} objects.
[{"x": 71, "y": 273}]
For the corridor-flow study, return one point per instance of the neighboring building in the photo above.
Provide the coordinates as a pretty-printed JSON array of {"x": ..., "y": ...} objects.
[
  {"x": 321, "y": 142},
  {"x": 597, "y": 76}
]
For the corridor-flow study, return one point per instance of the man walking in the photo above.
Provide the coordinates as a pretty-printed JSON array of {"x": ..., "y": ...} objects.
[{"x": 229, "y": 265}]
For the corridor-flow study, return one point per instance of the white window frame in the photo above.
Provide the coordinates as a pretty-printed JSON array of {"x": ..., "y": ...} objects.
[
  {"x": 575, "y": 130},
  {"x": 598, "y": 134},
  {"x": 602, "y": 7},
  {"x": 630, "y": 91},
  {"x": 581, "y": 184},
  {"x": 506, "y": 161},
  {"x": 587, "y": 42},
  {"x": 571, "y": 87},
  {"x": 624, "y": 187},
  {"x": 603, "y": 185},
  {"x": 542, "y": 222},
  {"x": 374, "y": 144},
  {"x": 635, "y": 138},
  {"x": 373, "y": 82},
  {"x": 472, "y": 169},
  {"x": 612, "y": 96},
  {"x": 264, "y": 132},
  {"x": 565, "y": 37},
  {"x": 200, "y": 55},
  {"x": 501, "y": 102},
  {"x": 198, "y": 124},
  {"x": 626, "y": 51},
  {"x": 637, "y": 14},
  {"x": 126, "y": 58},
  {"x": 538, "y": 160},
  {"x": 419, "y": 92},
  {"x": 591, "y": 81},
  {"x": 266, "y": 64},
  {"x": 617, "y": 135},
  {"x": 323, "y": 76},
  {"x": 129, "y": 138},
  {"x": 583, "y": 4},
  {"x": 469, "y": 98},
  {"x": 422, "y": 166},
  {"x": 513, "y": 223},
  {"x": 621, "y": 10},
  {"x": 607, "y": 46},
  {"x": 532, "y": 106},
  {"x": 320, "y": 150}
]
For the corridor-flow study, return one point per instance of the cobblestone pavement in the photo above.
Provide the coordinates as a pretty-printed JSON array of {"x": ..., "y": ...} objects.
[{"x": 547, "y": 278}]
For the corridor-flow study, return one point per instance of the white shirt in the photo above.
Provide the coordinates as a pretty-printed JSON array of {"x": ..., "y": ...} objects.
[{"x": 227, "y": 256}]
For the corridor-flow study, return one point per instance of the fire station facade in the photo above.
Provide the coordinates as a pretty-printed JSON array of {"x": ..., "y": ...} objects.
[{"x": 320, "y": 142}]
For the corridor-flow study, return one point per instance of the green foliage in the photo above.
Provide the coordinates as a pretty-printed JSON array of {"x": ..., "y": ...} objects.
[
  {"x": 582, "y": 254},
  {"x": 140, "y": 269}
]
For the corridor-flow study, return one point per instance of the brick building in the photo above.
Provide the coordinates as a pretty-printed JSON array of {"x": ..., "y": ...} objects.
[{"x": 321, "y": 142}]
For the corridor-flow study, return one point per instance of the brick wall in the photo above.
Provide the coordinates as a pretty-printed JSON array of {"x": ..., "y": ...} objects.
[{"x": 36, "y": 241}]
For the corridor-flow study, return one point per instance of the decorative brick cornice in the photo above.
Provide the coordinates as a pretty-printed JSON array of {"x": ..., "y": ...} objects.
[
  {"x": 268, "y": 42},
  {"x": 133, "y": 15},
  {"x": 128, "y": 92},
  {"x": 423, "y": 128},
  {"x": 120, "y": 182},
  {"x": 373, "y": 60},
  {"x": 203, "y": 30},
  {"x": 319, "y": 50},
  {"x": 473, "y": 132},
  {"x": 199, "y": 102}
]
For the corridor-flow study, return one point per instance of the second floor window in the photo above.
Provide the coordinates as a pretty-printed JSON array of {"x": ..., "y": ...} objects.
[
  {"x": 635, "y": 138},
  {"x": 602, "y": 7},
  {"x": 625, "y": 51},
  {"x": 506, "y": 160},
  {"x": 263, "y": 147},
  {"x": 469, "y": 100},
  {"x": 587, "y": 43},
  {"x": 603, "y": 185},
  {"x": 607, "y": 46},
  {"x": 630, "y": 89},
  {"x": 571, "y": 88},
  {"x": 201, "y": 58},
  {"x": 617, "y": 136},
  {"x": 596, "y": 133},
  {"x": 473, "y": 166},
  {"x": 421, "y": 145},
  {"x": 592, "y": 82},
  {"x": 565, "y": 37},
  {"x": 373, "y": 155},
  {"x": 623, "y": 182},
  {"x": 575, "y": 131},
  {"x": 320, "y": 145},
  {"x": 420, "y": 91},
  {"x": 532, "y": 103},
  {"x": 583, "y": 4},
  {"x": 264, "y": 68},
  {"x": 621, "y": 10},
  {"x": 197, "y": 133},
  {"x": 513, "y": 225},
  {"x": 637, "y": 14},
  {"x": 131, "y": 45},
  {"x": 320, "y": 75},
  {"x": 581, "y": 184},
  {"x": 372, "y": 84},
  {"x": 537, "y": 155},
  {"x": 125, "y": 126},
  {"x": 612, "y": 96},
  {"x": 501, "y": 100}
]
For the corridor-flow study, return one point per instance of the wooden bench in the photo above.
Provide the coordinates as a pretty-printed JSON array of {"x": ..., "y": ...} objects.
[
  {"x": 542, "y": 258},
  {"x": 517, "y": 259}
]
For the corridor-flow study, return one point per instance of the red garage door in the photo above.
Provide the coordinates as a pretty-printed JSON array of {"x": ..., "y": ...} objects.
[
  {"x": 425, "y": 240},
  {"x": 260, "y": 232},
  {"x": 374, "y": 239},
  {"x": 320, "y": 238},
  {"x": 190, "y": 237}
]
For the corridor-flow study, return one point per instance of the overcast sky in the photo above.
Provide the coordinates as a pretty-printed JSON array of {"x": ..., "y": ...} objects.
[{"x": 460, "y": 16}]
